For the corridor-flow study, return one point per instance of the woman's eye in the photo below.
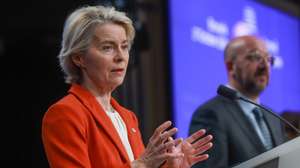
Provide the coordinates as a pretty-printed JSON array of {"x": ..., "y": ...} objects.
[
  {"x": 106, "y": 48},
  {"x": 125, "y": 47}
]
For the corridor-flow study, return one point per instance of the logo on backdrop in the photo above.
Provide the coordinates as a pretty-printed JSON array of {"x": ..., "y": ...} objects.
[{"x": 216, "y": 34}]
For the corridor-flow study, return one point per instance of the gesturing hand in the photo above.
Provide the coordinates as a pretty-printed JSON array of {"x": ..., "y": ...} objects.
[
  {"x": 193, "y": 148},
  {"x": 157, "y": 149}
]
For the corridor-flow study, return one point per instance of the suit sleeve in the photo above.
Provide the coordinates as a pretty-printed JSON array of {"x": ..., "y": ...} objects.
[
  {"x": 208, "y": 119},
  {"x": 64, "y": 138}
]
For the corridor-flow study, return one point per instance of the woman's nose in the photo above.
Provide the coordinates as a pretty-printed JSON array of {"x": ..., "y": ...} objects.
[{"x": 120, "y": 55}]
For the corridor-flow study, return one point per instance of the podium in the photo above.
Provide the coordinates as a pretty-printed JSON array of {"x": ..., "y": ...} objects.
[{"x": 286, "y": 155}]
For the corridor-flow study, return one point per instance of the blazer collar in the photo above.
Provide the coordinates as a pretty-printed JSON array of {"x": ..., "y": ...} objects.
[
  {"x": 274, "y": 127},
  {"x": 244, "y": 123},
  {"x": 99, "y": 115}
]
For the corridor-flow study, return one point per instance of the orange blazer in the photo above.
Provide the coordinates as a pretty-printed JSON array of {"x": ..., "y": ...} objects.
[{"x": 77, "y": 133}]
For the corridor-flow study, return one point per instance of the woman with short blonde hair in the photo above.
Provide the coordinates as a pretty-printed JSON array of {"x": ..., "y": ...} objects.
[{"x": 88, "y": 128}]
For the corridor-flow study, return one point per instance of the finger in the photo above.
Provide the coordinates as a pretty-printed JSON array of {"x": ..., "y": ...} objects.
[
  {"x": 196, "y": 136},
  {"x": 173, "y": 148},
  {"x": 158, "y": 160},
  {"x": 175, "y": 142},
  {"x": 202, "y": 149},
  {"x": 168, "y": 146},
  {"x": 178, "y": 141},
  {"x": 166, "y": 156},
  {"x": 202, "y": 141},
  {"x": 199, "y": 158},
  {"x": 161, "y": 128},
  {"x": 164, "y": 136},
  {"x": 164, "y": 147},
  {"x": 158, "y": 143}
]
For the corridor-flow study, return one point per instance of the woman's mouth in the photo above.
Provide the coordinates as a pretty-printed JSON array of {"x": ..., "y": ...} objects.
[{"x": 118, "y": 70}]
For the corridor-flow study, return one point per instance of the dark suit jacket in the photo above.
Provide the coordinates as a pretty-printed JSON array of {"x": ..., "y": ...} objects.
[{"x": 235, "y": 139}]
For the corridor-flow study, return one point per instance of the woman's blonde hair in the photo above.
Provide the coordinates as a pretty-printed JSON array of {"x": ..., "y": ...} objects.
[{"x": 79, "y": 30}]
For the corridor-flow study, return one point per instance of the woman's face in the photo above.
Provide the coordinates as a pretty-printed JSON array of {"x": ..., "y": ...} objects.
[{"x": 105, "y": 62}]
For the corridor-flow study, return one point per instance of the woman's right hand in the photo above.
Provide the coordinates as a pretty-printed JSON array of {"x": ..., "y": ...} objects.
[{"x": 156, "y": 153}]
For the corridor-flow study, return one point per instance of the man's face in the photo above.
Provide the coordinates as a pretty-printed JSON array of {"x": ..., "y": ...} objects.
[{"x": 251, "y": 68}]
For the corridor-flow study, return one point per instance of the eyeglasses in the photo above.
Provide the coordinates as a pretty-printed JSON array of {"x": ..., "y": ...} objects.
[{"x": 256, "y": 56}]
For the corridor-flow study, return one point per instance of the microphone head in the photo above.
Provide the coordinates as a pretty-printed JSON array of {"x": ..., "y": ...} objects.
[{"x": 228, "y": 92}]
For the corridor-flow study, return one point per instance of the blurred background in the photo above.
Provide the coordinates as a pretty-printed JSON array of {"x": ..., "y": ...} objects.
[{"x": 30, "y": 35}]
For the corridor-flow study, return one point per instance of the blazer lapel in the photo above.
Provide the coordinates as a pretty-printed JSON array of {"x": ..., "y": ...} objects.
[
  {"x": 133, "y": 132},
  {"x": 241, "y": 119},
  {"x": 101, "y": 118},
  {"x": 274, "y": 128}
]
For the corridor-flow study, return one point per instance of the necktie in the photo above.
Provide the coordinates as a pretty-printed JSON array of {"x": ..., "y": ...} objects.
[{"x": 263, "y": 128}]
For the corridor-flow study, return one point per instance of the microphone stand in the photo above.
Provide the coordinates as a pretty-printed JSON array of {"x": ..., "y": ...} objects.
[
  {"x": 274, "y": 114},
  {"x": 233, "y": 95}
]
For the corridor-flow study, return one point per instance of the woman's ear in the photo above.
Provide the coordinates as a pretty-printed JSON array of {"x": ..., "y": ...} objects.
[{"x": 78, "y": 60}]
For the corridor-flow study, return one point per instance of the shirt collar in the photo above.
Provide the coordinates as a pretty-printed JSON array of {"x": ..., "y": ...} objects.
[
  {"x": 257, "y": 100},
  {"x": 246, "y": 106}
]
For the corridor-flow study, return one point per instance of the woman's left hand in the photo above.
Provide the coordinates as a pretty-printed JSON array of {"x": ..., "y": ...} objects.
[{"x": 193, "y": 149}]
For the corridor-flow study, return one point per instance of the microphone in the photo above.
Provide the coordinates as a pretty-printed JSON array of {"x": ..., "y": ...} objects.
[{"x": 234, "y": 95}]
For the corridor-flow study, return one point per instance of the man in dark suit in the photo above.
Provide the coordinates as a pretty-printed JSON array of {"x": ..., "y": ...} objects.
[{"x": 240, "y": 130}]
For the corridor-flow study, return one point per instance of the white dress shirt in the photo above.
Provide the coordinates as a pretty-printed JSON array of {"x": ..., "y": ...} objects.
[{"x": 122, "y": 131}]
